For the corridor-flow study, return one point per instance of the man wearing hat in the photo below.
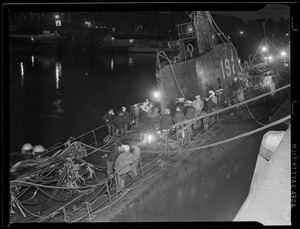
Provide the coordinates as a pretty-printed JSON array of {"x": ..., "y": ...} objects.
[
  {"x": 198, "y": 104},
  {"x": 108, "y": 118},
  {"x": 180, "y": 103},
  {"x": 179, "y": 117},
  {"x": 136, "y": 114},
  {"x": 115, "y": 150},
  {"x": 120, "y": 124},
  {"x": 235, "y": 89},
  {"x": 122, "y": 166},
  {"x": 125, "y": 119},
  {"x": 166, "y": 123},
  {"x": 222, "y": 100},
  {"x": 190, "y": 114},
  {"x": 213, "y": 97}
]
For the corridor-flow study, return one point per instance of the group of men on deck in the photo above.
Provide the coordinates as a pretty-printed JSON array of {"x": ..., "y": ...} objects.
[
  {"x": 123, "y": 159},
  {"x": 146, "y": 117}
]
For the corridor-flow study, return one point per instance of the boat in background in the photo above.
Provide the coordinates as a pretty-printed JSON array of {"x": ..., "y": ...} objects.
[
  {"x": 69, "y": 183},
  {"x": 144, "y": 46}
]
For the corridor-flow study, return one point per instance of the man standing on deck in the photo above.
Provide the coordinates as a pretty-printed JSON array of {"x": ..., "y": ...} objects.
[
  {"x": 211, "y": 106},
  {"x": 179, "y": 117},
  {"x": 190, "y": 114},
  {"x": 198, "y": 104},
  {"x": 108, "y": 118},
  {"x": 180, "y": 103},
  {"x": 126, "y": 120},
  {"x": 235, "y": 89},
  {"x": 136, "y": 115},
  {"x": 115, "y": 150},
  {"x": 120, "y": 124},
  {"x": 166, "y": 123}
]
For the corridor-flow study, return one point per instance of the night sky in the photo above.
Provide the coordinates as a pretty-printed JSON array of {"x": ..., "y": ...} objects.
[{"x": 273, "y": 11}]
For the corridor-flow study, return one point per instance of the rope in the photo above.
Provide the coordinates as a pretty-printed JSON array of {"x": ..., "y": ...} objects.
[
  {"x": 230, "y": 107},
  {"x": 230, "y": 139},
  {"x": 175, "y": 77},
  {"x": 123, "y": 194},
  {"x": 253, "y": 116}
]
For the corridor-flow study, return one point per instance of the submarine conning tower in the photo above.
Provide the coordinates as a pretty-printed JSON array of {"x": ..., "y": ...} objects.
[{"x": 196, "y": 37}]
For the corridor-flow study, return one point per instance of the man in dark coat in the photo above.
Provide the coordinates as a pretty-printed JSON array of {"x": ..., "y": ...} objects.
[
  {"x": 120, "y": 124},
  {"x": 108, "y": 118},
  {"x": 190, "y": 114},
  {"x": 235, "y": 89},
  {"x": 211, "y": 106},
  {"x": 166, "y": 123},
  {"x": 126, "y": 119},
  {"x": 115, "y": 150},
  {"x": 179, "y": 117}
]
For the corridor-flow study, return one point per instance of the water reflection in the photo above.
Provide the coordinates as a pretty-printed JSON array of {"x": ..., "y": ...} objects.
[
  {"x": 130, "y": 61},
  {"x": 57, "y": 104},
  {"x": 32, "y": 61},
  {"x": 63, "y": 92},
  {"x": 22, "y": 74},
  {"x": 57, "y": 73},
  {"x": 112, "y": 64}
]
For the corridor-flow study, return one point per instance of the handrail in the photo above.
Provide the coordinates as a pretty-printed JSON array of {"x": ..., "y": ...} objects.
[
  {"x": 230, "y": 107},
  {"x": 76, "y": 138},
  {"x": 229, "y": 139}
]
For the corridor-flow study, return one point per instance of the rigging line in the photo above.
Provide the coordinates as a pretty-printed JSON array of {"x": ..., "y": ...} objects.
[
  {"x": 272, "y": 44},
  {"x": 253, "y": 116},
  {"x": 230, "y": 139},
  {"x": 230, "y": 107},
  {"x": 176, "y": 79},
  {"x": 269, "y": 116},
  {"x": 123, "y": 194}
]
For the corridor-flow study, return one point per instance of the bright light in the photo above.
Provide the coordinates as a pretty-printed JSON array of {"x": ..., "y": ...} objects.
[
  {"x": 112, "y": 38},
  {"x": 270, "y": 57},
  {"x": 32, "y": 39},
  {"x": 189, "y": 29},
  {"x": 241, "y": 32},
  {"x": 150, "y": 138},
  {"x": 56, "y": 16},
  {"x": 88, "y": 24},
  {"x": 264, "y": 49},
  {"x": 287, "y": 34},
  {"x": 156, "y": 95},
  {"x": 283, "y": 53},
  {"x": 265, "y": 57},
  {"x": 131, "y": 41}
]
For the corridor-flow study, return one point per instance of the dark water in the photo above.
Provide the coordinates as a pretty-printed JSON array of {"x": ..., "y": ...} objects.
[{"x": 55, "y": 94}]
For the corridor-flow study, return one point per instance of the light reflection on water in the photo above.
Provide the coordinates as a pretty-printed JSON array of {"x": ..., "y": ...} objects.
[
  {"x": 57, "y": 73},
  {"x": 22, "y": 74},
  {"x": 32, "y": 61},
  {"x": 66, "y": 93}
]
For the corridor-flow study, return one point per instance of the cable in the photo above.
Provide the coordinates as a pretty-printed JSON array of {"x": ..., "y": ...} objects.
[{"x": 231, "y": 139}]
